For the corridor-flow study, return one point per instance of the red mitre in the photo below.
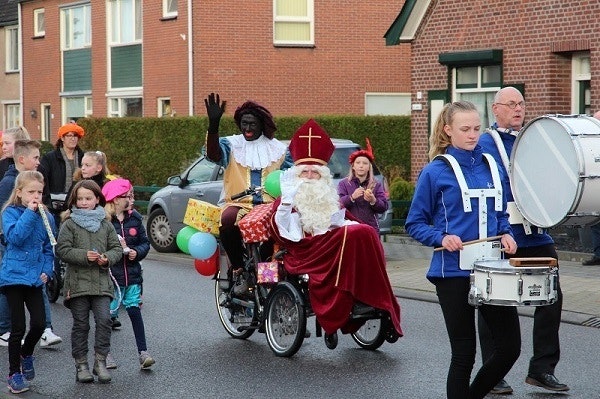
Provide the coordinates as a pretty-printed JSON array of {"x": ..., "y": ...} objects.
[
  {"x": 311, "y": 145},
  {"x": 368, "y": 153}
]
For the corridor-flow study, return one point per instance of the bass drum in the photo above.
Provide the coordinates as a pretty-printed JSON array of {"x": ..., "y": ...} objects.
[{"x": 555, "y": 171}]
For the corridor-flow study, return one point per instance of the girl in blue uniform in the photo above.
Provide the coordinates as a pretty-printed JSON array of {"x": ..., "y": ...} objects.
[{"x": 437, "y": 218}]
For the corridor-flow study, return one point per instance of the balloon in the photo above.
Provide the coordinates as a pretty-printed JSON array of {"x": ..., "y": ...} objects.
[
  {"x": 202, "y": 245},
  {"x": 272, "y": 185},
  {"x": 183, "y": 238},
  {"x": 207, "y": 267}
]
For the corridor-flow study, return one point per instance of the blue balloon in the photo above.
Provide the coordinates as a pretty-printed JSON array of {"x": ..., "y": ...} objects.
[{"x": 202, "y": 245}]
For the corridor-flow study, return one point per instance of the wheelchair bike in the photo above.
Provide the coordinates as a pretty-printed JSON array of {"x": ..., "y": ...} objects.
[{"x": 280, "y": 308}]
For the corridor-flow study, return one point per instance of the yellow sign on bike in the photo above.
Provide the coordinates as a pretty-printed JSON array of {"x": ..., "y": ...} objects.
[{"x": 202, "y": 216}]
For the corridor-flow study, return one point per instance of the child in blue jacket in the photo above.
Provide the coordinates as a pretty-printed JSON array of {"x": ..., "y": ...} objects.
[{"x": 26, "y": 266}]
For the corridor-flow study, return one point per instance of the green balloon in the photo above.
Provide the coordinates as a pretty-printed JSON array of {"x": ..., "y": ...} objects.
[
  {"x": 272, "y": 184},
  {"x": 183, "y": 238}
]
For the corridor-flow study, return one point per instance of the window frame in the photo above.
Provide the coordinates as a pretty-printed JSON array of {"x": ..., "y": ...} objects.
[
  {"x": 12, "y": 61},
  {"x": 13, "y": 116},
  {"x": 66, "y": 27},
  {"x": 170, "y": 13},
  {"x": 118, "y": 100},
  {"x": 162, "y": 103},
  {"x": 480, "y": 87},
  {"x": 309, "y": 18},
  {"x": 115, "y": 17},
  {"x": 580, "y": 81},
  {"x": 37, "y": 31}
]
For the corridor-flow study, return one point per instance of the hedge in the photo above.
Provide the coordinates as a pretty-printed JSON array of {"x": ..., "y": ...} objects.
[{"x": 148, "y": 150}]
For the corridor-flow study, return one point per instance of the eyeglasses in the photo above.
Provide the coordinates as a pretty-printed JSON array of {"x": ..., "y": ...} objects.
[
  {"x": 70, "y": 135},
  {"x": 513, "y": 105},
  {"x": 125, "y": 196}
]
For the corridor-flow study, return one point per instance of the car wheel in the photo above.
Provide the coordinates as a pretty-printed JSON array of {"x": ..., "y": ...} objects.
[{"x": 160, "y": 234}]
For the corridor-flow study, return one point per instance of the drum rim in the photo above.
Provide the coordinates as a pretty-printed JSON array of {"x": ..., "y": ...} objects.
[{"x": 577, "y": 149}]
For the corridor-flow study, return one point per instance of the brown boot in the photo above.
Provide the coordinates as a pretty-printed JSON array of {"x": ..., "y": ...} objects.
[
  {"x": 83, "y": 371},
  {"x": 100, "y": 369}
]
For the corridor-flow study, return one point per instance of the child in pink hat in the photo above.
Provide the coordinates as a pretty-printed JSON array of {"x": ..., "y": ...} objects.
[{"x": 128, "y": 271}]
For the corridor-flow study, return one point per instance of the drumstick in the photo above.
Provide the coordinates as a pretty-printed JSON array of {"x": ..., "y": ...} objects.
[
  {"x": 473, "y": 242},
  {"x": 47, "y": 225}
]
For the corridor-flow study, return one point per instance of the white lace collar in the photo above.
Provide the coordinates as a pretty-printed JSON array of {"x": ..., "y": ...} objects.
[{"x": 257, "y": 154}]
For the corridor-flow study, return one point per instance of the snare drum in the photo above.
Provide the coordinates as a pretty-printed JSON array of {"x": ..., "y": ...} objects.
[
  {"x": 496, "y": 282},
  {"x": 555, "y": 170}
]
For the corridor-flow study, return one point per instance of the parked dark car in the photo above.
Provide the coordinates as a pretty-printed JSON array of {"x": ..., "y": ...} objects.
[{"x": 203, "y": 180}]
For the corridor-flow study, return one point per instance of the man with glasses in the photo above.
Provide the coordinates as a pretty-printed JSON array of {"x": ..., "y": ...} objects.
[{"x": 509, "y": 112}]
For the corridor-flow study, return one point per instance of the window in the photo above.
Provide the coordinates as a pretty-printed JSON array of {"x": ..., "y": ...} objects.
[
  {"x": 76, "y": 27},
  {"x": 125, "y": 45},
  {"x": 293, "y": 22},
  {"x": 581, "y": 90},
  {"x": 76, "y": 107},
  {"x": 125, "y": 106},
  {"x": 125, "y": 21},
  {"x": 164, "y": 107},
  {"x": 12, "y": 114},
  {"x": 169, "y": 8},
  {"x": 12, "y": 48},
  {"x": 39, "y": 22},
  {"x": 387, "y": 104},
  {"x": 478, "y": 84}
]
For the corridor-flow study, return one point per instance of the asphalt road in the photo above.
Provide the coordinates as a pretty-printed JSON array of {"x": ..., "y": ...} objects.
[{"x": 197, "y": 359}]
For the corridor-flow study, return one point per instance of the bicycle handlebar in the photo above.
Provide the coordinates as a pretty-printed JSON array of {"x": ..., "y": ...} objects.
[{"x": 249, "y": 191}]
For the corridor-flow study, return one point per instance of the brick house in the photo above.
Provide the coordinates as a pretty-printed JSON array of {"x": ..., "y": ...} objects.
[
  {"x": 469, "y": 49},
  {"x": 10, "y": 96},
  {"x": 117, "y": 58}
]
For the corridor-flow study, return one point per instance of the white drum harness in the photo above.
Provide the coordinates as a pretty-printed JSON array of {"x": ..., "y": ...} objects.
[{"x": 514, "y": 215}]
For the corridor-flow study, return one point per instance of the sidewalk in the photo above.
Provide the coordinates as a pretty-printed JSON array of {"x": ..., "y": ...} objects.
[{"x": 408, "y": 261}]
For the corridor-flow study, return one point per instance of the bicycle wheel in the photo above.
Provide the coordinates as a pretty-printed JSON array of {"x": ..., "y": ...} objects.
[
  {"x": 234, "y": 313},
  {"x": 285, "y": 322},
  {"x": 370, "y": 335}
]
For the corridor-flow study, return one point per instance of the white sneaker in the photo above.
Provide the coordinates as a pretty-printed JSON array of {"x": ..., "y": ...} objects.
[
  {"x": 49, "y": 338},
  {"x": 4, "y": 338}
]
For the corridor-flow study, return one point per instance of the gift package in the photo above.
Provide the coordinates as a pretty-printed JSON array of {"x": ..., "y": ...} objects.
[
  {"x": 255, "y": 225},
  {"x": 202, "y": 216}
]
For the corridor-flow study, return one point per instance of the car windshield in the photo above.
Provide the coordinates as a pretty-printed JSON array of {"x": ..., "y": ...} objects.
[
  {"x": 201, "y": 172},
  {"x": 339, "y": 164}
]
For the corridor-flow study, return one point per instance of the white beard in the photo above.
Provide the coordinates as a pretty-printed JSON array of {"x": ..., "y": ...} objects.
[{"x": 316, "y": 201}]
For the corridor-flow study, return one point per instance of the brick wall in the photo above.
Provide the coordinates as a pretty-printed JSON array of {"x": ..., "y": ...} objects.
[
  {"x": 233, "y": 55},
  {"x": 537, "y": 39}
]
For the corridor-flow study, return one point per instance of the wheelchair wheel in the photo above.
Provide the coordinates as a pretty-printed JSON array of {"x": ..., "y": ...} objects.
[
  {"x": 285, "y": 322},
  {"x": 234, "y": 313},
  {"x": 370, "y": 335}
]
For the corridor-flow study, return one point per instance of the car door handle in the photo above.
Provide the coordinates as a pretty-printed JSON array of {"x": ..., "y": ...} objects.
[{"x": 199, "y": 193}]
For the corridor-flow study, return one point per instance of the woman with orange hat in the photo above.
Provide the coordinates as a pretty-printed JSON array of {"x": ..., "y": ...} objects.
[
  {"x": 58, "y": 166},
  {"x": 359, "y": 192}
]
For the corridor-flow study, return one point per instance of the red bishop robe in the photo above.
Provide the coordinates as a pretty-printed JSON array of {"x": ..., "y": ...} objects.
[{"x": 344, "y": 265}]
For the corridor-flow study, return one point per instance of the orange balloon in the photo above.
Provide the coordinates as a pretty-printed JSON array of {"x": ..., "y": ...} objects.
[{"x": 208, "y": 267}]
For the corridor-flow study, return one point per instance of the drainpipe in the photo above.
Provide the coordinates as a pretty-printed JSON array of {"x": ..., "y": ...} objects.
[
  {"x": 20, "y": 55},
  {"x": 190, "y": 60}
]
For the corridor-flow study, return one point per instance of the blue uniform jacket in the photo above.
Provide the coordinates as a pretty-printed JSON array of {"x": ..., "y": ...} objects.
[
  {"x": 437, "y": 208},
  {"x": 28, "y": 251},
  {"x": 489, "y": 146}
]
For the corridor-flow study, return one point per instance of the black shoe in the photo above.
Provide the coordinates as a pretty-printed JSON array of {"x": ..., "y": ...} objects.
[
  {"x": 116, "y": 324},
  {"x": 547, "y": 381},
  {"x": 331, "y": 340},
  {"x": 591, "y": 262},
  {"x": 502, "y": 388}
]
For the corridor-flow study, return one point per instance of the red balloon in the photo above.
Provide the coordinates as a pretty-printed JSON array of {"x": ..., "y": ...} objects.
[{"x": 208, "y": 267}]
